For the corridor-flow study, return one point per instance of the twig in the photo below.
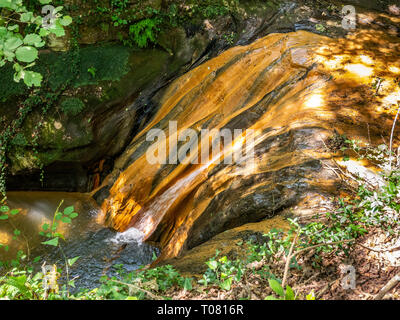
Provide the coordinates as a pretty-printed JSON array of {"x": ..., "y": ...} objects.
[
  {"x": 369, "y": 135},
  {"x": 320, "y": 245},
  {"x": 391, "y": 138},
  {"x": 288, "y": 260},
  {"x": 378, "y": 86},
  {"x": 378, "y": 251},
  {"x": 388, "y": 287},
  {"x": 324, "y": 289}
]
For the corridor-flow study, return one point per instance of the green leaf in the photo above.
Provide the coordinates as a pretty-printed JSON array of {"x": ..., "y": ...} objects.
[
  {"x": 57, "y": 29},
  {"x": 45, "y": 1},
  {"x": 32, "y": 78},
  {"x": 26, "y": 54},
  {"x": 26, "y": 17},
  {"x": 226, "y": 285},
  {"x": 45, "y": 227},
  {"x": 19, "y": 283},
  {"x": 7, "y": 4},
  {"x": 72, "y": 261},
  {"x": 4, "y": 209},
  {"x": 18, "y": 75},
  {"x": 44, "y": 32},
  {"x": 12, "y": 44},
  {"x": 212, "y": 264},
  {"x": 68, "y": 210},
  {"x": 65, "y": 21},
  {"x": 271, "y": 298},
  {"x": 3, "y": 32},
  {"x": 73, "y": 215},
  {"x": 14, "y": 27},
  {"x": 59, "y": 235},
  {"x": 17, "y": 232},
  {"x": 187, "y": 284},
  {"x": 131, "y": 298},
  {"x": 33, "y": 39},
  {"x": 289, "y": 293},
  {"x": 276, "y": 287},
  {"x": 52, "y": 242},
  {"x": 9, "y": 55},
  {"x": 13, "y": 212},
  {"x": 71, "y": 283},
  {"x": 66, "y": 220},
  {"x": 58, "y": 9},
  {"x": 4, "y": 217}
]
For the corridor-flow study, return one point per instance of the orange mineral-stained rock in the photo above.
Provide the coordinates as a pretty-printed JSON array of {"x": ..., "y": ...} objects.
[{"x": 291, "y": 92}]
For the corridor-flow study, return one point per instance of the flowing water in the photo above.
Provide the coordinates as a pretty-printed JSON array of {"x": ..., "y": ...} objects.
[{"x": 98, "y": 247}]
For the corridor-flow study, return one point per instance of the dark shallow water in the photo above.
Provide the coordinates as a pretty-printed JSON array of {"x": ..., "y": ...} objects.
[{"x": 99, "y": 248}]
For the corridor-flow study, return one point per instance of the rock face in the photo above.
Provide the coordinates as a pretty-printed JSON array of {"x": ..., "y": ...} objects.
[
  {"x": 293, "y": 91},
  {"x": 98, "y": 113}
]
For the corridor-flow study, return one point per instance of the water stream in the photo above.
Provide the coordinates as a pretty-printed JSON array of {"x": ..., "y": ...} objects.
[{"x": 99, "y": 248}]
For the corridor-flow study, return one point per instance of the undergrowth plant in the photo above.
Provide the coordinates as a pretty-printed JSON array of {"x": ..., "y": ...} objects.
[
  {"x": 23, "y": 32},
  {"x": 18, "y": 279},
  {"x": 222, "y": 272}
]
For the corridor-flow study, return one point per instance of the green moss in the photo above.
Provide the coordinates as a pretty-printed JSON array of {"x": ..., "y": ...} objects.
[
  {"x": 72, "y": 106},
  {"x": 22, "y": 159},
  {"x": 19, "y": 140},
  {"x": 110, "y": 63}
]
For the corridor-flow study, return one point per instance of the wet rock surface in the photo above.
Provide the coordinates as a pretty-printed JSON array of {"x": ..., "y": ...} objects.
[{"x": 294, "y": 91}]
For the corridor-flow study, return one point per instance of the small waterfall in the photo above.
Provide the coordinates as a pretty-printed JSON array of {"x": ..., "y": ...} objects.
[{"x": 292, "y": 90}]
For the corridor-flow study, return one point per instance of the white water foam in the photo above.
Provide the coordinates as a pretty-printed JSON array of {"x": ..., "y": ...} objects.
[{"x": 128, "y": 236}]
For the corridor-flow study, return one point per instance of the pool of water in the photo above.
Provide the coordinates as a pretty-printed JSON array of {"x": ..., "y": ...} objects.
[{"x": 99, "y": 248}]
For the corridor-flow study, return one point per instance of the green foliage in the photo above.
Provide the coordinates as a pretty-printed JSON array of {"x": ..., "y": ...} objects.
[
  {"x": 330, "y": 233},
  {"x": 65, "y": 70},
  {"x": 282, "y": 294},
  {"x": 222, "y": 272},
  {"x": 144, "y": 32},
  {"x": 22, "y": 33},
  {"x": 92, "y": 71},
  {"x": 51, "y": 230},
  {"x": 19, "y": 280},
  {"x": 140, "y": 26},
  {"x": 139, "y": 283}
]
